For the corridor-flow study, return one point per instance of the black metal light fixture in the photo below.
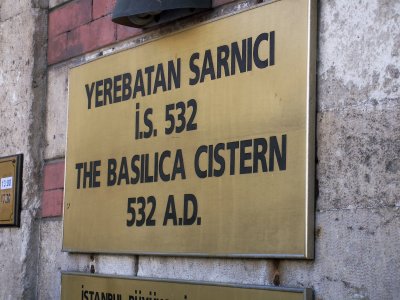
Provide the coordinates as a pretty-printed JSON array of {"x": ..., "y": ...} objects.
[{"x": 147, "y": 13}]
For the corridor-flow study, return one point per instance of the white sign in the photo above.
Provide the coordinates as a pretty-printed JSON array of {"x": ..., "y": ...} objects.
[{"x": 6, "y": 183}]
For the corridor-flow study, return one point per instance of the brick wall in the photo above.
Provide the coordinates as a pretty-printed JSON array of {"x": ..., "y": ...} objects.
[
  {"x": 81, "y": 26},
  {"x": 53, "y": 194}
]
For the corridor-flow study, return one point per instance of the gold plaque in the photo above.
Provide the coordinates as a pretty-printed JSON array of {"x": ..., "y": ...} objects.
[
  {"x": 85, "y": 287},
  {"x": 199, "y": 143},
  {"x": 10, "y": 190}
]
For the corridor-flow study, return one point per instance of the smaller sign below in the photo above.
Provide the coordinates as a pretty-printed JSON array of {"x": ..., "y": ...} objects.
[
  {"x": 85, "y": 287},
  {"x": 10, "y": 190}
]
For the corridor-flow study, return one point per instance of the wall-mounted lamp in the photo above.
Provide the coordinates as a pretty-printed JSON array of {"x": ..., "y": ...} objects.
[{"x": 147, "y": 13}]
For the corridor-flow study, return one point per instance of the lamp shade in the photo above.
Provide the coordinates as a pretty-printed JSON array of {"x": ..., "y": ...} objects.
[{"x": 146, "y": 13}]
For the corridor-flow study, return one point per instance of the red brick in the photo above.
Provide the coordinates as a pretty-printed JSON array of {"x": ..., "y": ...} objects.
[
  {"x": 57, "y": 49},
  {"x": 125, "y": 32},
  {"x": 102, "y": 8},
  {"x": 89, "y": 37},
  {"x": 79, "y": 41},
  {"x": 70, "y": 16},
  {"x": 220, "y": 2},
  {"x": 52, "y": 203},
  {"x": 103, "y": 32},
  {"x": 54, "y": 176}
]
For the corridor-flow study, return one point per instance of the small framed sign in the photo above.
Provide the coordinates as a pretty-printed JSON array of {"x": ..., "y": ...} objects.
[{"x": 10, "y": 190}]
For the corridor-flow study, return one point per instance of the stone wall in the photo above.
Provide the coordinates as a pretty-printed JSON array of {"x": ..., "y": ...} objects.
[
  {"x": 23, "y": 27},
  {"x": 358, "y": 147}
]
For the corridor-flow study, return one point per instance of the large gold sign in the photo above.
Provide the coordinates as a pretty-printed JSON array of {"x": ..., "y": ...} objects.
[
  {"x": 199, "y": 143},
  {"x": 79, "y": 286}
]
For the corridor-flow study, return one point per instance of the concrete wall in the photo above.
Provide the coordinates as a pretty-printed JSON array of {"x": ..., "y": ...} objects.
[
  {"x": 23, "y": 33},
  {"x": 358, "y": 168}
]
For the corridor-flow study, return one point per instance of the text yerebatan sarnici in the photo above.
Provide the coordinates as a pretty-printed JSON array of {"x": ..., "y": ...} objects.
[
  {"x": 213, "y": 64},
  {"x": 233, "y": 157}
]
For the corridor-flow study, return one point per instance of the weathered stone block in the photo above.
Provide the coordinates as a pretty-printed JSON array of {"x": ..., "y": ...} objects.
[
  {"x": 16, "y": 66},
  {"x": 358, "y": 157},
  {"x": 15, "y": 245},
  {"x": 358, "y": 53},
  {"x": 244, "y": 271},
  {"x": 57, "y": 100},
  {"x": 356, "y": 256},
  {"x": 53, "y": 261},
  {"x": 115, "y": 265},
  {"x": 12, "y": 8}
]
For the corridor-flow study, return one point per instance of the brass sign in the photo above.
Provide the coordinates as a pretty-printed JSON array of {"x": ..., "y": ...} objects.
[
  {"x": 10, "y": 190},
  {"x": 199, "y": 143},
  {"x": 80, "y": 286}
]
